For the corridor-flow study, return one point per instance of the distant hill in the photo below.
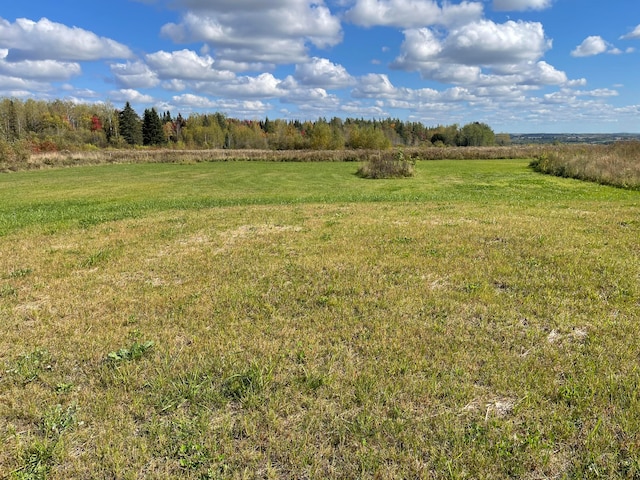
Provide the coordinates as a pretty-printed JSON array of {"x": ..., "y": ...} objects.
[{"x": 529, "y": 138}]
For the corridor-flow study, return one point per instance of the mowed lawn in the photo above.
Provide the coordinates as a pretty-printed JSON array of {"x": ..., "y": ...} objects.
[{"x": 291, "y": 320}]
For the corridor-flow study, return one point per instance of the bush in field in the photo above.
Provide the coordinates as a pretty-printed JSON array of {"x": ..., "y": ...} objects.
[
  {"x": 387, "y": 165},
  {"x": 13, "y": 155}
]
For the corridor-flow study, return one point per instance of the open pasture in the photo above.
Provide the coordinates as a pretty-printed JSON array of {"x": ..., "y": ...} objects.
[{"x": 291, "y": 320}]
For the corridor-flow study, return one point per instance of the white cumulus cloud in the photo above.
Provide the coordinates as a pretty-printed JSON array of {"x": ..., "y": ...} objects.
[
  {"x": 264, "y": 85},
  {"x": 590, "y": 46},
  {"x": 635, "y": 34},
  {"x": 488, "y": 43},
  {"x": 412, "y": 13},
  {"x": 194, "y": 101},
  {"x": 131, "y": 95},
  {"x": 19, "y": 87},
  {"x": 45, "y": 70},
  {"x": 374, "y": 85},
  {"x": 47, "y": 40},
  {"x": 320, "y": 72},
  {"x": 595, "y": 45},
  {"x": 186, "y": 65},
  {"x": 480, "y": 53},
  {"x": 254, "y": 31},
  {"x": 134, "y": 75}
]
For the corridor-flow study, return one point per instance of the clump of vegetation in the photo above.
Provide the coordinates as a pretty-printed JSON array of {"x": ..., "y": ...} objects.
[
  {"x": 384, "y": 165},
  {"x": 13, "y": 155},
  {"x": 617, "y": 164},
  {"x": 28, "y": 368},
  {"x": 251, "y": 381},
  {"x": 134, "y": 352},
  {"x": 39, "y": 455},
  {"x": 58, "y": 419}
]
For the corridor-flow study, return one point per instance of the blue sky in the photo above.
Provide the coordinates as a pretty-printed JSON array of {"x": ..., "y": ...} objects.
[{"x": 517, "y": 65}]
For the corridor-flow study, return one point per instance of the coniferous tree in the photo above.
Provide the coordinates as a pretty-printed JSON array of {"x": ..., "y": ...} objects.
[
  {"x": 152, "y": 132},
  {"x": 130, "y": 126}
]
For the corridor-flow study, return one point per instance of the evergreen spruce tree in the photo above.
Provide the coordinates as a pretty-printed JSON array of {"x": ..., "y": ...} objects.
[
  {"x": 130, "y": 126},
  {"x": 152, "y": 132}
]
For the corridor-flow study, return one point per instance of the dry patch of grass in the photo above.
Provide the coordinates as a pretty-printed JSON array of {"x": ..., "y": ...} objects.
[
  {"x": 149, "y": 155},
  {"x": 386, "y": 340}
]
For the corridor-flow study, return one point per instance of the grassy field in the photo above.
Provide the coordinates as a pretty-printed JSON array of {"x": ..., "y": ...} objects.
[{"x": 291, "y": 320}]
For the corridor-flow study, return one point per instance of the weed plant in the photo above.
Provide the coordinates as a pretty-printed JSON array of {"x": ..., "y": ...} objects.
[
  {"x": 477, "y": 321},
  {"x": 135, "y": 351}
]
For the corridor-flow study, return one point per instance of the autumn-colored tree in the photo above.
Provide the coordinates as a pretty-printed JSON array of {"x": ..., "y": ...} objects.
[
  {"x": 367, "y": 137},
  {"x": 64, "y": 125},
  {"x": 96, "y": 124}
]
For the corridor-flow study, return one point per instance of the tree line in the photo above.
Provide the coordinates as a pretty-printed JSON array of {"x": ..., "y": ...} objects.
[{"x": 35, "y": 126}]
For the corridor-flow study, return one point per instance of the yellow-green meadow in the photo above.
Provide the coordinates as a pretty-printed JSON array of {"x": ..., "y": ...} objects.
[{"x": 292, "y": 320}]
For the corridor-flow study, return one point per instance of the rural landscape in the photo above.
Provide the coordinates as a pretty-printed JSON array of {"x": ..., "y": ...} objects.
[{"x": 209, "y": 298}]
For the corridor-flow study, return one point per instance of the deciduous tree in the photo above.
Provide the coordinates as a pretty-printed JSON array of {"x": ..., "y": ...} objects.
[{"x": 476, "y": 134}]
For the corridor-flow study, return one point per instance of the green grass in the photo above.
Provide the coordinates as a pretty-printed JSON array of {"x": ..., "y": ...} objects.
[
  {"x": 86, "y": 196},
  {"x": 261, "y": 320}
]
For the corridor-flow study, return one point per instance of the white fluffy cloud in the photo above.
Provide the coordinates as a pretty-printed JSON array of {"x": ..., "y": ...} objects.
[
  {"x": 375, "y": 85},
  {"x": 541, "y": 73},
  {"x": 264, "y": 85},
  {"x": 186, "y": 65},
  {"x": 593, "y": 45},
  {"x": 598, "y": 93},
  {"x": 313, "y": 101},
  {"x": 320, "y": 72},
  {"x": 42, "y": 40},
  {"x": 46, "y": 70},
  {"x": 194, "y": 101},
  {"x": 246, "y": 108},
  {"x": 240, "y": 108},
  {"x": 134, "y": 75},
  {"x": 520, "y": 5},
  {"x": 253, "y": 31},
  {"x": 412, "y": 13},
  {"x": 131, "y": 95},
  {"x": 635, "y": 34},
  {"x": 480, "y": 53},
  {"x": 19, "y": 87},
  {"x": 488, "y": 43}
]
